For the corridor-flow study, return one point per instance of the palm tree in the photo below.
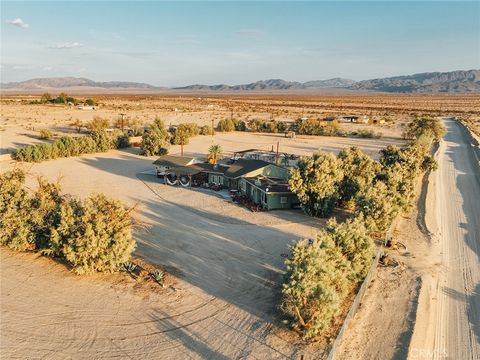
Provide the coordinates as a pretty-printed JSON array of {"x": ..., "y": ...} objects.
[{"x": 214, "y": 153}]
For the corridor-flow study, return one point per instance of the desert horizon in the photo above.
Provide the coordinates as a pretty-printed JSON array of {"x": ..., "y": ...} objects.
[{"x": 240, "y": 180}]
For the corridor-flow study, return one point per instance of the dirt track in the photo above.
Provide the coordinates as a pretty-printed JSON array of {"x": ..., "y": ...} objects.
[
  {"x": 448, "y": 321},
  {"x": 223, "y": 307}
]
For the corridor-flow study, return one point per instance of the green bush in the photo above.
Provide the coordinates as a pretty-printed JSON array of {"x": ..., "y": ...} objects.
[
  {"x": 425, "y": 126},
  {"x": 16, "y": 231},
  {"x": 46, "y": 134},
  {"x": 369, "y": 134},
  {"x": 206, "y": 130},
  {"x": 66, "y": 146},
  {"x": 156, "y": 139},
  {"x": 316, "y": 182},
  {"x": 98, "y": 124},
  {"x": 226, "y": 125},
  {"x": 359, "y": 172},
  {"x": 123, "y": 141},
  {"x": 93, "y": 235},
  {"x": 353, "y": 239},
  {"x": 321, "y": 273},
  {"x": 315, "y": 286},
  {"x": 241, "y": 126}
]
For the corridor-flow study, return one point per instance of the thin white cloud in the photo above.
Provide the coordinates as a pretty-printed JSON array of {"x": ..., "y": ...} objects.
[
  {"x": 251, "y": 33},
  {"x": 66, "y": 46},
  {"x": 47, "y": 68},
  {"x": 22, "y": 67},
  {"x": 19, "y": 23}
]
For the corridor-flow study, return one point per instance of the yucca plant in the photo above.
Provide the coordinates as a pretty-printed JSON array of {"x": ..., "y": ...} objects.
[
  {"x": 130, "y": 267},
  {"x": 158, "y": 276}
]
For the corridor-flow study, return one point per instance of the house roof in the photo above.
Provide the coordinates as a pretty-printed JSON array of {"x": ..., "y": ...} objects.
[
  {"x": 270, "y": 185},
  {"x": 210, "y": 168},
  {"x": 173, "y": 161},
  {"x": 244, "y": 166}
]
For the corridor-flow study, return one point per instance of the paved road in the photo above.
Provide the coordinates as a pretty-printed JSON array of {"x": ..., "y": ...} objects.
[{"x": 456, "y": 325}]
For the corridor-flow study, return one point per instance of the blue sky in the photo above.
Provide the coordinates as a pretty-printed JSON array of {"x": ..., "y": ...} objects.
[{"x": 174, "y": 44}]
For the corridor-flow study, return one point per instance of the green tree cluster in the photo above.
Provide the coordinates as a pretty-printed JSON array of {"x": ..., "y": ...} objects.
[
  {"x": 156, "y": 140},
  {"x": 226, "y": 125},
  {"x": 378, "y": 190},
  {"x": 91, "y": 235},
  {"x": 322, "y": 272},
  {"x": 316, "y": 182},
  {"x": 206, "y": 130},
  {"x": 183, "y": 132},
  {"x": 66, "y": 146},
  {"x": 424, "y": 126}
]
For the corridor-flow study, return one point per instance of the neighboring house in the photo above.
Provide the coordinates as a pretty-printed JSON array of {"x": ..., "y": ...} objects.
[{"x": 263, "y": 183}]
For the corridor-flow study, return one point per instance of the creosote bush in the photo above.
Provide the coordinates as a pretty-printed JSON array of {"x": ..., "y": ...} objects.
[
  {"x": 226, "y": 125},
  {"x": 66, "y": 146},
  {"x": 91, "y": 235},
  {"x": 321, "y": 273},
  {"x": 45, "y": 134},
  {"x": 156, "y": 140}
]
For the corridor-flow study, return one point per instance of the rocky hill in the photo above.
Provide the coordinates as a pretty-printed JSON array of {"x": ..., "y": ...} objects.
[
  {"x": 72, "y": 82},
  {"x": 275, "y": 84},
  {"x": 434, "y": 82}
]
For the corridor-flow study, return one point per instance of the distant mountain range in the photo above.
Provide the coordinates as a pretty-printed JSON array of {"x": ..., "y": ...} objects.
[
  {"x": 275, "y": 84},
  {"x": 453, "y": 81},
  {"x": 73, "y": 82},
  {"x": 435, "y": 82}
]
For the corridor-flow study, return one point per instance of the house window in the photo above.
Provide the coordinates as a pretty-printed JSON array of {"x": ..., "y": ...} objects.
[
  {"x": 216, "y": 179},
  {"x": 264, "y": 198},
  {"x": 283, "y": 200},
  {"x": 243, "y": 186}
]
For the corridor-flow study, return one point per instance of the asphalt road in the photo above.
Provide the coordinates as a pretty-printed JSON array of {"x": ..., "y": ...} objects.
[{"x": 456, "y": 326}]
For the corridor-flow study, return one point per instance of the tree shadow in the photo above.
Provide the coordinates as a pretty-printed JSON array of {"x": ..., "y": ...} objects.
[
  {"x": 182, "y": 333},
  {"x": 232, "y": 260},
  {"x": 473, "y": 306},
  {"x": 467, "y": 170}
]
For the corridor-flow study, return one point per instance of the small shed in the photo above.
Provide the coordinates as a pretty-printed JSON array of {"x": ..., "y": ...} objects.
[{"x": 350, "y": 118}]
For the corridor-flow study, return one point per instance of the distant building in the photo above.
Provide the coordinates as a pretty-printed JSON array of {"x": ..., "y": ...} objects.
[
  {"x": 85, "y": 107},
  {"x": 350, "y": 118}
]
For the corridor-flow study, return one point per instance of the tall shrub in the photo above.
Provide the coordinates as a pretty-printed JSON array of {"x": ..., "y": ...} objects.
[
  {"x": 16, "y": 231},
  {"x": 316, "y": 284},
  {"x": 156, "y": 140},
  {"x": 316, "y": 182},
  {"x": 95, "y": 235}
]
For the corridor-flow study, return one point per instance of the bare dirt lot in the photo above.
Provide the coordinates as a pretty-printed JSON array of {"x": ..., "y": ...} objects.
[{"x": 228, "y": 260}]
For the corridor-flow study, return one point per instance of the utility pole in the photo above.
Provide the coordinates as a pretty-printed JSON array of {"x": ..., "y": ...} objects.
[
  {"x": 213, "y": 130},
  {"x": 122, "y": 115},
  {"x": 278, "y": 145}
]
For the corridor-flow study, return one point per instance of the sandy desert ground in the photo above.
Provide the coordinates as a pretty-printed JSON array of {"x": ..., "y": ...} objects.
[{"x": 228, "y": 261}]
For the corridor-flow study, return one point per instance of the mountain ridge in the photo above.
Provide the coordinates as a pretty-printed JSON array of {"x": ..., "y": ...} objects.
[{"x": 431, "y": 82}]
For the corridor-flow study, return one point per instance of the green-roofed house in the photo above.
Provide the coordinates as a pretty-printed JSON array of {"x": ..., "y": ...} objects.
[{"x": 264, "y": 183}]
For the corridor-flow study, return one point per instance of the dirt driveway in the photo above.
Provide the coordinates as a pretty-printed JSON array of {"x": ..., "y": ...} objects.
[{"x": 228, "y": 259}]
